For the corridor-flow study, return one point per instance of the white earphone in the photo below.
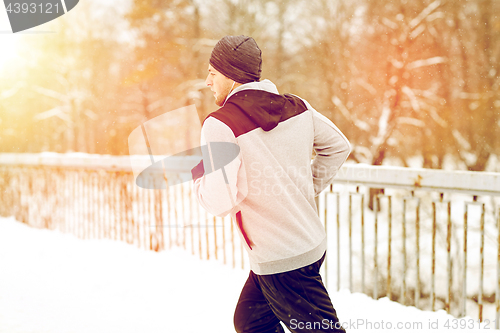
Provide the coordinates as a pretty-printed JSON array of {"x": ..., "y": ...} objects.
[{"x": 228, "y": 94}]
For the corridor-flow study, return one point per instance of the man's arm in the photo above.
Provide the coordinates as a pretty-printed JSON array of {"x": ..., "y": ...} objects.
[
  {"x": 332, "y": 149},
  {"x": 216, "y": 190}
]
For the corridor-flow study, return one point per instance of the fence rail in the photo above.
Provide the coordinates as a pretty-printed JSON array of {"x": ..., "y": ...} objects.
[{"x": 428, "y": 238}]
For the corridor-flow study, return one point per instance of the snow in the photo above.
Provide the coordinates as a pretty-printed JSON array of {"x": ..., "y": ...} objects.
[{"x": 54, "y": 282}]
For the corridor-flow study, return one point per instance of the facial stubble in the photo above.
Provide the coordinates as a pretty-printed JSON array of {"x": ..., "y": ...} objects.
[{"x": 221, "y": 98}]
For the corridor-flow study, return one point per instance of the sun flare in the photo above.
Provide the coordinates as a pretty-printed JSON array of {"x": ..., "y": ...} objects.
[{"x": 9, "y": 45}]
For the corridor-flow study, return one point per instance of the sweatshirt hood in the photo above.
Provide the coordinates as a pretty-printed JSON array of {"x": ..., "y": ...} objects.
[{"x": 262, "y": 103}]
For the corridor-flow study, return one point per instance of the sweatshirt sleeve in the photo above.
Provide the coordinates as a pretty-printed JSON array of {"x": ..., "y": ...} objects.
[
  {"x": 216, "y": 190},
  {"x": 332, "y": 149}
]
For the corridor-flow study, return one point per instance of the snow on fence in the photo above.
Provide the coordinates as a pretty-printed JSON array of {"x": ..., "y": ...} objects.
[
  {"x": 428, "y": 238},
  {"x": 93, "y": 196}
]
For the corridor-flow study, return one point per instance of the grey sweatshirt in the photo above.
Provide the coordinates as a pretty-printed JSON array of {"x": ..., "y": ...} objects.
[{"x": 270, "y": 183}]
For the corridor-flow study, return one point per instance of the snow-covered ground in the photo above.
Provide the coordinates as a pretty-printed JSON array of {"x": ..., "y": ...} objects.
[{"x": 54, "y": 282}]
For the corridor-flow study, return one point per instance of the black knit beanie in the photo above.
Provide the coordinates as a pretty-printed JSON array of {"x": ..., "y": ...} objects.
[{"x": 238, "y": 58}]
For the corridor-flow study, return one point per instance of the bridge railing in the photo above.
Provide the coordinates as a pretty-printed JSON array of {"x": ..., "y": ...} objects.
[{"x": 427, "y": 238}]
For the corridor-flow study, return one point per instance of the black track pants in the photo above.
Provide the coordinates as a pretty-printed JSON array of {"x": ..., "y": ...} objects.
[{"x": 298, "y": 298}]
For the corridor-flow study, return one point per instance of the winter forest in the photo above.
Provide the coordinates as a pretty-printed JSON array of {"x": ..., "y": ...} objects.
[{"x": 408, "y": 82}]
